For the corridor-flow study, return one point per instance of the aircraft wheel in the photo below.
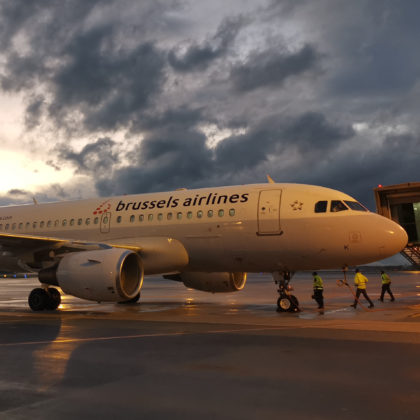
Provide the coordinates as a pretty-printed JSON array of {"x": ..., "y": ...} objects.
[
  {"x": 132, "y": 300},
  {"x": 54, "y": 299},
  {"x": 283, "y": 304},
  {"x": 38, "y": 299}
]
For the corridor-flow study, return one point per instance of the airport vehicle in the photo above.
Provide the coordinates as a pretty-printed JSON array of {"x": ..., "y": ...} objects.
[{"x": 101, "y": 249}]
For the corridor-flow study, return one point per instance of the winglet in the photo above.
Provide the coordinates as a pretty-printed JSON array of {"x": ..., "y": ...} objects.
[{"x": 270, "y": 180}]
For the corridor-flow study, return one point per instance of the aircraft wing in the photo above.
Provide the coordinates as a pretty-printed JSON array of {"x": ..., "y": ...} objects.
[{"x": 23, "y": 253}]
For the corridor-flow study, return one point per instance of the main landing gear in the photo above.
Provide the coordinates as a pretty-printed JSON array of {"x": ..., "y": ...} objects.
[
  {"x": 286, "y": 301},
  {"x": 44, "y": 299}
]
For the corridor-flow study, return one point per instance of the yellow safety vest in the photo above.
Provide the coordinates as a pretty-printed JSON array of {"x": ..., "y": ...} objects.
[
  {"x": 318, "y": 284},
  {"x": 385, "y": 279},
  {"x": 360, "y": 281}
]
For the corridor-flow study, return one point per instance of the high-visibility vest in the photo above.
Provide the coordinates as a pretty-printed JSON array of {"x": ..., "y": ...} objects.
[
  {"x": 385, "y": 279},
  {"x": 318, "y": 283},
  {"x": 360, "y": 281}
]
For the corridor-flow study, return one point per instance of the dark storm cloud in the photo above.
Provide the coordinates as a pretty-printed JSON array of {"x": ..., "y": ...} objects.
[
  {"x": 86, "y": 68},
  {"x": 198, "y": 56},
  {"x": 311, "y": 134},
  {"x": 94, "y": 158},
  {"x": 92, "y": 68},
  {"x": 271, "y": 68},
  {"x": 34, "y": 111},
  {"x": 174, "y": 153}
]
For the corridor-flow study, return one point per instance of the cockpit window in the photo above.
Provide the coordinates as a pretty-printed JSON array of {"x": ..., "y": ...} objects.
[
  {"x": 321, "y": 206},
  {"x": 354, "y": 205},
  {"x": 337, "y": 205}
]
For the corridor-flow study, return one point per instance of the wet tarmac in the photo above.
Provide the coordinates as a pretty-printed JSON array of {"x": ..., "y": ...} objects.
[{"x": 181, "y": 353}]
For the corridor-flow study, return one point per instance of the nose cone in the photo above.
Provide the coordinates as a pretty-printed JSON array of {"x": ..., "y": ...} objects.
[{"x": 394, "y": 238}]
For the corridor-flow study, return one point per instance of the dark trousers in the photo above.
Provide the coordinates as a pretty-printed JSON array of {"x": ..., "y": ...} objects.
[
  {"x": 364, "y": 293},
  {"x": 386, "y": 288},
  {"x": 319, "y": 298}
]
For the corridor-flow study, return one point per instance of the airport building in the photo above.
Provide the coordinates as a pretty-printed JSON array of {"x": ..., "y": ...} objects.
[{"x": 401, "y": 203}]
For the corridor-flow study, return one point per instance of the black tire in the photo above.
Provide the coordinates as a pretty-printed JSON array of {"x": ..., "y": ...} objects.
[
  {"x": 132, "y": 300},
  {"x": 54, "y": 299},
  {"x": 38, "y": 299},
  {"x": 283, "y": 304}
]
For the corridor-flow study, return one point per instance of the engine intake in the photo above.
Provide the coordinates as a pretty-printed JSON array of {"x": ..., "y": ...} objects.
[{"x": 110, "y": 275}]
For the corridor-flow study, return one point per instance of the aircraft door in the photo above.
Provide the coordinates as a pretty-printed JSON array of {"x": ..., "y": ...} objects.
[
  {"x": 269, "y": 212},
  {"x": 105, "y": 222}
]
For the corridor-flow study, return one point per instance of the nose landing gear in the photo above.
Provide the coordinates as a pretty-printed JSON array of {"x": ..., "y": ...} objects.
[{"x": 286, "y": 301}]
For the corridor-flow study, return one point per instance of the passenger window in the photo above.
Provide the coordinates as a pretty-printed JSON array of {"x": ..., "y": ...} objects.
[
  {"x": 41, "y": 225},
  {"x": 354, "y": 205},
  {"x": 210, "y": 213},
  {"x": 132, "y": 217},
  {"x": 1, "y": 226},
  {"x": 179, "y": 216},
  {"x": 71, "y": 222},
  {"x": 221, "y": 213},
  {"x": 34, "y": 225},
  {"x": 79, "y": 221},
  {"x": 28, "y": 225},
  {"x": 56, "y": 223},
  {"x": 199, "y": 214},
  {"x": 232, "y": 212},
  {"x": 96, "y": 220},
  {"x": 119, "y": 219},
  {"x": 160, "y": 216},
  {"x": 13, "y": 226},
  {"x": 7, "y": 226},
  {"x": 169, "y": 216},
  {"x": 64, "y": 222},
  {"x": 150, "y": 217},
  {"x": 337, "y": 205},
  {"x": 321, "y": 206},
  {"x": 20, "y": 225},
  {"x": 189, "y": 215},
  {"x": 87, "y": 221},
  {"x": 49, "y": 223},
  {"x": 105, "y": 220},
  {"x": 141, "y": 217}
]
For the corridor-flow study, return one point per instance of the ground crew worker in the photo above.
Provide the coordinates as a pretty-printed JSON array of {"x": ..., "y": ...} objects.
[
  {"x": 386, "y": 286},
  {"x": 360, "y": 282},
  {"x": 318, "y": 290}
]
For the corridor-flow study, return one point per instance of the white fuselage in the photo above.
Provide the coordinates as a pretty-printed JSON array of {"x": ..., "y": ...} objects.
[{"x": 249, "y": 228}]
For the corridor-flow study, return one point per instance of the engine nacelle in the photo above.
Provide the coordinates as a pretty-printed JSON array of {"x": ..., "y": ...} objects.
[
  {"x": 109, "y": 275},
  {"x": 214, "y": 282}
]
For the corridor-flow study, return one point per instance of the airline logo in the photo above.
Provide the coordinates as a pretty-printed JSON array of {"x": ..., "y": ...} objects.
[{"x": 103, "y": 208}]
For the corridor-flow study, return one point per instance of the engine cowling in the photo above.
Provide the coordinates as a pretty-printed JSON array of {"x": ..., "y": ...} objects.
[
  {"x": 109, "y": 275},
  {"x": 214, "y": 282}
]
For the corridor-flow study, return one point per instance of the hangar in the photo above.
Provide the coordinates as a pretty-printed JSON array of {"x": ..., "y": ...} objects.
[{"x": 401, "y": 203}]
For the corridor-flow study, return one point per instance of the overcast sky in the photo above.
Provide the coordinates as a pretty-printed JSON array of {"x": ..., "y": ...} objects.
[{"x": 105, "y": 97}]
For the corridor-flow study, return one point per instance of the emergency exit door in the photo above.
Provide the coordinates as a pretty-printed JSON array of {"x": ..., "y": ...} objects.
[{"x": 269, "y": 212}]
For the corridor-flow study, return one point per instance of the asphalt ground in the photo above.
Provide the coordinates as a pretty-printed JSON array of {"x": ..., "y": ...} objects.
[{"x": 181, "y": 353}]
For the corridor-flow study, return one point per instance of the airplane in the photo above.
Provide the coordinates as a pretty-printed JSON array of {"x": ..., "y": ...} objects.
[{"x": 209, "y": 239}]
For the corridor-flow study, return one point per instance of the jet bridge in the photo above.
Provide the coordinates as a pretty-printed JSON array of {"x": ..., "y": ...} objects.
[{"x": 401, "y": 203}]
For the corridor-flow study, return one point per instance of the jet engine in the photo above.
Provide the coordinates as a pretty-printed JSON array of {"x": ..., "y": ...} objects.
[
  {"x": 109, "y": 275},
  {"x": 212, "y": 282}
]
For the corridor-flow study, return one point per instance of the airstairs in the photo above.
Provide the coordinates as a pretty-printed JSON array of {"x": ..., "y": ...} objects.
[{"x": 412, "y": 254}]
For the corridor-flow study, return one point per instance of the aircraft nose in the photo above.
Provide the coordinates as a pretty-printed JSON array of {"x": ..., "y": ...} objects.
[{"x": 395, "y": 238}]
